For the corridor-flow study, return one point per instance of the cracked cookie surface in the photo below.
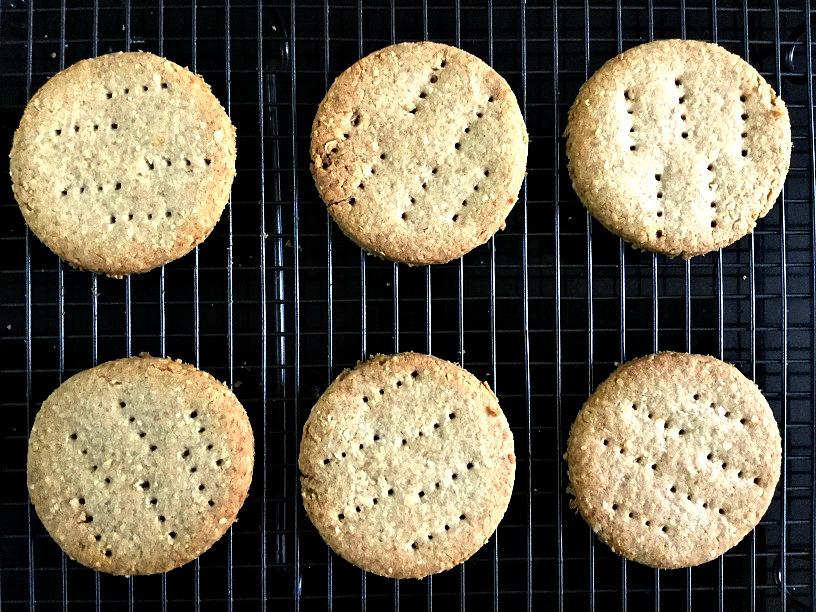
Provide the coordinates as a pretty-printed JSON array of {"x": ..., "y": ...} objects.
[
  {"x": 419, "y": 151},
  {"x": 674, "y": 459},
  {"x": 407, "y": 465},
  {"x": 139, "y": 465}
]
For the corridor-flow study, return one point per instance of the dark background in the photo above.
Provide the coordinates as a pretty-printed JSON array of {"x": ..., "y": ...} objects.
[{"x": 277, "y": 302}]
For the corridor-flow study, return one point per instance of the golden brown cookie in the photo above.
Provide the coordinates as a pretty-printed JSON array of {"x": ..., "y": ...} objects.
[
  {"x": 123, "y": 162},
  {"x": 674, "y": 459},
  {"x": 419, "y": 150},
  {"x": 407, "y": 465},
  {"x": 138, "y": 466},
  {"x": 678, "y": 146}
]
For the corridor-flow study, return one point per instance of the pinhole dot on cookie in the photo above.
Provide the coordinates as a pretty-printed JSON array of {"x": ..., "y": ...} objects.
[
  {"x": 153, "y": 501},
  {"x": 455, "y": 218},
  {"x": 172, "y": 535},
  {"x": 193, "y": 470},
  {"x": 659, "y": 234},
  {"x": 414, "y": 546},
  {"x": 84, "y": 451},
  {"x": 97, "y": 537},
  {"x": 73, "y": 436},
  {"x": 390, "y": 491},
  {"x": 108, "y": 553},
  {"x": 161, "y": 518}
]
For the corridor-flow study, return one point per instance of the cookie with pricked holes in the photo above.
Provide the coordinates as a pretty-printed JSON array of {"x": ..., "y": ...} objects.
[
  {"x": 139, "y": 465},
  {"x": 123, "y": 162},
  {"x": 678, "y": 146},
  {"x": 419, "y": 151},
  {"x": 407, "y": 465},
  {"x": 674, "y": 459}
]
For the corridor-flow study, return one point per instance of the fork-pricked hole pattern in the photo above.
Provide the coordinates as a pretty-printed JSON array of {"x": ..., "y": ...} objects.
[
  {"x": 129, "y": 137},
  {"x": 437, "y": 135},
  {"x": 674, "y": 107},
  {"x": 389, "y": 459},
  {"x": 683, "y": 441},
  {"x": 167, "y": 492}
]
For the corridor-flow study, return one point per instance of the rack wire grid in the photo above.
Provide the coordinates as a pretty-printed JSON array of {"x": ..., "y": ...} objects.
[{"x": 277, "y": 302}]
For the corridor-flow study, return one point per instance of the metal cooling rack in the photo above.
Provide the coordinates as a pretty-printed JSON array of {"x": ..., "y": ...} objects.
[{"x": 277, "y": 302}]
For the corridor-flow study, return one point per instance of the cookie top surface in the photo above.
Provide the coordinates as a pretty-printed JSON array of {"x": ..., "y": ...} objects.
[
  {"x": 407, "y": 465},
  {"x": 123, "y": 162},
  {"x": 139, "y": 465},
  {"x": 678, "y": 146},
  {"x": 419, "y": 151},
  {"x": 674, "y": 459}
]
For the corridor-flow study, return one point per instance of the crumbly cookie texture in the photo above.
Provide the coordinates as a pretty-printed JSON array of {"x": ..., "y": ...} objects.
[
  {"x": 674, "y": 459},
  {"x": 407, "y": 465},
  {"x": 419, "y": 151},
  {"x": 678, "y": 146},
  {"x": 138, "y": 466},
  {"x": 123, "y": 162}
]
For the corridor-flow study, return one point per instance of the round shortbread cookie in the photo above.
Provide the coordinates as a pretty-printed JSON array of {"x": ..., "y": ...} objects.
[
  {"x": 407, "y": 465},
  {"x": 678, "y": 146},
  {"x": 419, "y": 151},
  {"x": 123, "y": 162},
  {"x": 139, "y": 465},
  {"x": 674, "y": 459}
]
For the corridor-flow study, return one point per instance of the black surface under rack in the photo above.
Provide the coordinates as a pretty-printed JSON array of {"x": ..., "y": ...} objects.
[{"x": 277, "y": 302}]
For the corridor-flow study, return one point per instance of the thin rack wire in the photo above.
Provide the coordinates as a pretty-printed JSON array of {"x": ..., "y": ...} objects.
[{"x": 278, "y": 301}]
